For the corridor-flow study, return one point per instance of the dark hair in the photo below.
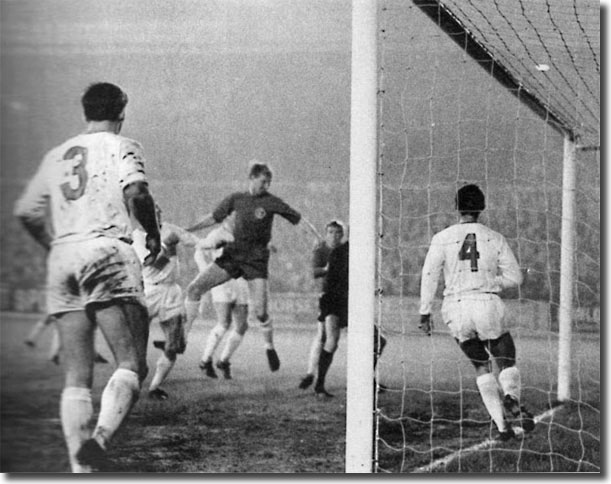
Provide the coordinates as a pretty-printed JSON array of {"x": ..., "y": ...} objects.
[
  {"x": 103, "y": 101},
  {"x": 336, "y": 224},
  {"x": 470, "y": 200},
  {"x": 256, "y": 168}
]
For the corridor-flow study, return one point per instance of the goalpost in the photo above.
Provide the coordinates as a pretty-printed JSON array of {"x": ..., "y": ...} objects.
[{"x": 540, "y": 184}]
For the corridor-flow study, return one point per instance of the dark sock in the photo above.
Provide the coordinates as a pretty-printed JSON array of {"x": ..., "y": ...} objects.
[{"x": 324, "y": 362}]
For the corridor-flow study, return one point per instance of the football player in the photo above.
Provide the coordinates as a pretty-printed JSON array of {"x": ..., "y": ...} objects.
[
  {"x": 230, "y": 301},
  {"x": 248, "y": 255},
  {"x": 93, "y": 182},
  {"x": 478, "y": 264}
]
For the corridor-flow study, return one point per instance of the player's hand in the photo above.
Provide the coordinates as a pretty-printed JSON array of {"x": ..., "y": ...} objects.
[
  {"x": 426, "y": 324},
  {"x": 153, "y": 244}
]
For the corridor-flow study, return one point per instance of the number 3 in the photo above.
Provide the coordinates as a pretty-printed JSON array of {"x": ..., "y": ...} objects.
[
  {"x": 78, "y": 156},
  {"x": 469, "y": 252}
]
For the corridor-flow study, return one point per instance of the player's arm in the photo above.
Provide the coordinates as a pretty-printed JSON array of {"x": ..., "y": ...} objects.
[
  {"x": 510, "y": 274},
  {"x": 319, "y": 261},
  {"x": 207, "y": 221},
  {"x": 220, "y": 213},
  {"x": 31, "y": 207},
  {"x": 141, "y": 205},
  {"x": 284, "y": 210},
  {"x": 433, "y": 263}
]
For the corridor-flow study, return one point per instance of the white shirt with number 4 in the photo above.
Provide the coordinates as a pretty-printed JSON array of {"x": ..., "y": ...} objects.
[
  {"x": 84, "y": 179},
  {"x": 475, "y": 260}
]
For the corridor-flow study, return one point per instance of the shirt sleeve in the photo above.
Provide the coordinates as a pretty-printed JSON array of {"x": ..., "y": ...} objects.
[
  {"x": 433, "y": 264},
  {"x": 224, "y": 209},
  {"x": 32, "y": 204},
  {"x": 131, "y": 167},
  {"x": 510, "y": 274},
  {"x": 289, "y": 213},
  {"x": 319, "y": 258}
]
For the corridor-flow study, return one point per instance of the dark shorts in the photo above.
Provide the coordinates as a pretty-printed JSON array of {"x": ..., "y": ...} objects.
[
  {"x": 332, "y": 305},
  {"x": 248, "y": 263}
]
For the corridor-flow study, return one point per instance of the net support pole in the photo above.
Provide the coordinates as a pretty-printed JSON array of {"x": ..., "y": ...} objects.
[
  {"x": 567, "y": 247},
  {"x": 361, "y": 303}
]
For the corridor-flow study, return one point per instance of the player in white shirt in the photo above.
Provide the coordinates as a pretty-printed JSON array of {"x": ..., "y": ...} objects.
[
  {"x": 164, "y": 298},
  {"x": 230, "y": 301},
  {"x": 477, "y": 265},
  {"x": 92, "y": 183}
]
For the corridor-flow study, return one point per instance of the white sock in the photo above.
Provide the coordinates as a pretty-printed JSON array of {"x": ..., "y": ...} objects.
[
  {"x": 76, "y": 411},
  {"x": 233, "y": 341},
  {"x": 118, "y": 397},
  {"x": 164, "y": 366},
  {"x": 213, "y": 340},
  {"x": 267, "y": 329},
  {"x": 509, "y": 379},
  {"x": 314, "y": 356},
  {"x": 192, "y": 312},
  {"x": 489, "y": 390}
]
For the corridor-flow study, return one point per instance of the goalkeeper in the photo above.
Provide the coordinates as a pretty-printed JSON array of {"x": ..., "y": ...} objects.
[
  {"x": 478, "y": 264},
  {"x": 248, "y": 255}
]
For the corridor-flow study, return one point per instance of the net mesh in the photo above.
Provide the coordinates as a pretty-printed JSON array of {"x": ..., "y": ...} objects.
[{"x": 445, "y": 122}]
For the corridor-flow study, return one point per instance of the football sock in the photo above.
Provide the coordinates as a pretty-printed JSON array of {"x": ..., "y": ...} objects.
[
  {"x": 324, "y": 362},
  {"x": 192, "y": 311},
  {"x": 213, "y": 341},
  {"x": 233, "y": 341},
  {"x": 489, "y": 390},
  {"x": 120, "y": 393},
  {"x": 509, "y": 379},
  {"x": 76, "y": 411},
  {"x": 314, "y": 356},
  {"x": 164, "y": 366},
  {"x": 267, "y": 330}
]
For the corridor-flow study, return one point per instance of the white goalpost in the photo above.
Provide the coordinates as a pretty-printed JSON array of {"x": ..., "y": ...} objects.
[{"x": 425, "y": 120}]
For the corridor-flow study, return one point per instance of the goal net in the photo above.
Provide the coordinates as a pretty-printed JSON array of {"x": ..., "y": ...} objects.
[{"x": 503, "y": 94}]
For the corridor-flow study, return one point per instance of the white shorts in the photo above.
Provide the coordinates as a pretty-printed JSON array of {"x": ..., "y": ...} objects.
[
  {"x": 474, "y": 317},
  {"x": 164, "y": 301},
  {"x": 233, "y": 291},
  {"x": 96, "y": 270}
]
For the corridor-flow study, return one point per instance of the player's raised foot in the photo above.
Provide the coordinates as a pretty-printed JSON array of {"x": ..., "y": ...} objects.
[
  {"x": 526, "y": 418},
  {"x": 91, "y": 454},
  {"x": 100, "y": 359},
  {"x": 160, "y": 345},
  {"x": 306, "y": 381},
  {"x": 208, "y": 369},
  {"x": 506, "y": 435},
  {"x": 322, "y": 394},
  {"x": 272, "y": 359},
  {"x": 158, "y": 394},
  {"x": 225, "y": 368}
]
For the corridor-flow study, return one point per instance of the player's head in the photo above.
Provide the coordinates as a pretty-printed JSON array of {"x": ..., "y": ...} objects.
[
  {"x": 103, "y": 101},
  {"x": 470, "y": 200},
  {"x": 259, "y": 177},
  {"x": 334, "y": 233}
]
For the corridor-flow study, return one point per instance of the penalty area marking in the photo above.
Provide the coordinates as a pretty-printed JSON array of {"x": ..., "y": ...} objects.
[{"x": 474, "y": 448}]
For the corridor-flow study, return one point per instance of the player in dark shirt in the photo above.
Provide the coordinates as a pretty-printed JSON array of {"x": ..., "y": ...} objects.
[{"x": 247, "y": 255}]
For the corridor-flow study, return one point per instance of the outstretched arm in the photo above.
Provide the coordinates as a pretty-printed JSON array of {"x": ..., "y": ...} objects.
[{"x": 207, "y": 221}]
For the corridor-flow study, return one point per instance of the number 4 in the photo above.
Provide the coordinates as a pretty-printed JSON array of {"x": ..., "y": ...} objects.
[{"x": 469, "y": 252}]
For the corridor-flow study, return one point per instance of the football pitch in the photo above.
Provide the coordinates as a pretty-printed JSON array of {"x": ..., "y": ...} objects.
[{"x": 260, "y": 422}]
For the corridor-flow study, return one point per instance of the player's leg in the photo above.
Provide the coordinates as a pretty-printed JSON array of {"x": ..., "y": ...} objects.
[
  {"x": 314, "y": 356},
  {"x": 174, "y": 345},
  {"x": 76, "y": 409},
  {"x": 504, "y": 351},
  {"x": 258, "y": 294},
  {"x": 37, "y": 330},
  {"x": 203, "y": 282},
  {"x": 222, "y": 307},
  {"x": 487, "y": 385},
  {"x": 125, "y": 327},
  {"x": 234, "y": 339},
  {"x": 56, "y": 345},
  {"x": 332, "y": 332}
]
